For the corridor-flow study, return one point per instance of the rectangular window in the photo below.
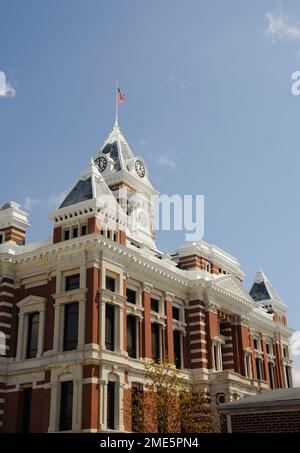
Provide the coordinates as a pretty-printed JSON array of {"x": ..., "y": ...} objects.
[
  {"x": 111, "y": 405},
  {"x": 256, "y": 344},
  {"x": 285, "y": 352},
  {"x": 26, "y": 410},
  {"x": 154, "y": 305},
  {"x": 108, "y": 234},
  {"x": 110, "y": 283},
  {"x": 66, "y": 235},
  {"x": 72, "y": 282},
  {"x": 176, "y": 313},
  {"x": 288, "y": 376},
  {"x": 177, "y": 348},
  {"x": 115, "y": 237},
  {"x": 66, "y": 406},
  {"x": 268, "y": 348},
  {"x": 83, "y": 230},
  {"x": 110, "y": 327},
  {"x": 75, "y": 232},
  {"x": 131, "y": 336},
  {"x": 71, "y": 327},
  {"x": 155, "y": 331},
  {"x": 32, "y": 335},
  {"x": 271, "y": 374},
  {"x": 258, "y": 369},
  {"x": 131, "y": 296},
  {"x": 1, "y": 238}
]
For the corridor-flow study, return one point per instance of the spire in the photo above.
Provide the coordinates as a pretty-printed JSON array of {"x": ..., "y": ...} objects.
[
  {"x": 117, "y": 105},
  {"x": 262, "y": 289}
]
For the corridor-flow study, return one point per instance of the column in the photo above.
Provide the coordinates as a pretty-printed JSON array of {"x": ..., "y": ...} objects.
[
  {"x": 103, "y": 405},
  {"x": 102, "y": 324},
  {"x": 81, "y": 323},
  {"x": 41, "y": 333},
  {"x": 21, "y": 338}
]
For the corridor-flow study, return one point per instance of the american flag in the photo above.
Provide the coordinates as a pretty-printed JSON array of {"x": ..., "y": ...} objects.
[{"x": 121, "y": 96}]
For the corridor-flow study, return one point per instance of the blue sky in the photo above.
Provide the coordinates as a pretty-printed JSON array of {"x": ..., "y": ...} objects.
[{"x": 208, "y": 105}]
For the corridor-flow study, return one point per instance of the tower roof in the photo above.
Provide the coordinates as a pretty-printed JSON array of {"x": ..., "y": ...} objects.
[
  {"x": 117, "y": 148},
  {"x": 262, "y": 289},
  {"x": 90, "y": 185}
]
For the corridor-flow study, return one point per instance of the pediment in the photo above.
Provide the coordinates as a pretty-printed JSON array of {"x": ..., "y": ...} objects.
[
  {"x": 31, "y": 301},
  {"x": 231, "y": 285}
]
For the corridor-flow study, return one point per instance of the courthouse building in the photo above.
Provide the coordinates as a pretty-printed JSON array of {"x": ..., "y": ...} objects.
[{"x": 81, "y": 312}]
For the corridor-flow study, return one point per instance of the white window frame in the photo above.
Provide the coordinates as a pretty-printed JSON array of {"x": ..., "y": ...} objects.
[{"x": 31, "y": 304}]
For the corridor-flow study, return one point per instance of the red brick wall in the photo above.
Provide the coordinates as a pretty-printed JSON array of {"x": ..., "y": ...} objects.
[
  {"x": 169, "y": 332},
  {"x": 267, "y": 422},
  {"x": 146, "y": 333}
]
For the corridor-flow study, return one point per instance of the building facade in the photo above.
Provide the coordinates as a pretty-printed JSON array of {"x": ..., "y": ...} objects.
[{"x": 81, "y": 312}]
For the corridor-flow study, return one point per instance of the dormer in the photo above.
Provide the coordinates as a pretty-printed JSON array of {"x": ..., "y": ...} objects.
[{"x": 13, "y": 224}]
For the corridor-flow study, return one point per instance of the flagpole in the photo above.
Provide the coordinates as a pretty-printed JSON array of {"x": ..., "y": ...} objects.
[{"x": 117, "y": 105}]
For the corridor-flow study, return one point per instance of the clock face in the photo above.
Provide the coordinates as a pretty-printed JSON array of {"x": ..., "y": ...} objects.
[
  {"x": 102, "y": 163},
  {"x": 140, "y": 168}
]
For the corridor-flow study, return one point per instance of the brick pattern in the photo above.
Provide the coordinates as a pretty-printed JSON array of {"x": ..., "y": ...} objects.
[
  {"x": 266, "y": 422},
  {"x": 196, "y": 334},
  {"x": 227, "y": 348},
  {"x": 6, "y": 311}
]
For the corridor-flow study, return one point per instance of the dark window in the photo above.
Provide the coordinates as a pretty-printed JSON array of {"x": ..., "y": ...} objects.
[
  {"x": 177, "y": 348},
  {"x": 71, "y": 326},
  {"x": 66, "y": 235},
  {"x": 268, "y": 348},
  {"x": 131, "y": 296},
  {"x": 1, "y": 238},
  {"x": 155, "y": 342},
  {"x": 83, "y": 230},
  {"x": 111, "y": 405},
  {"x": 154, "y": 305},
  {"x": 26, "y": 410},
  {"x": 72, "y": 282},
  {"x": 176, "y": 313},
  {"x": 75, "y": 232},
  {"x": 258, "y": 369},
  {"x": 110, "y": 327},
  {"x": 131, "y": 336},
  {"x": 108, "y": 234},
  {"x": 270, "y": 366},
  {"x": 66, "y": 406},
  {"x": 115, "y": 237},
  {"x": 33, "y": 335},
  {"x": 110, "y": 283},
  {"x": 288, "y": 377},
  {"x": 255, "y": 344}
]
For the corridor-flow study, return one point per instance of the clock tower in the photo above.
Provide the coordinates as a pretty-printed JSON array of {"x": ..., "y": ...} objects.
[{"x": 127, "y": 177}]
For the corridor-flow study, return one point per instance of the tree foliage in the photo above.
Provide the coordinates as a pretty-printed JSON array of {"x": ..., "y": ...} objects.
[{"x": 170, "y": 403}]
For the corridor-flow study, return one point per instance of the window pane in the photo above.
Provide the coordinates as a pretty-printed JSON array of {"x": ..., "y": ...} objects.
[
  {"x": 111, "y": 405},
  {"x": 25, "y": 428},
  {"x": 109, "y": 327},
  {"x": 176, "y": 313},
  {"x": 110, "y": 284},
  {"x": 131, "y": 336},
  {"x": 154, "y": 305},
  {"x": 177, "y": 349},
  {"x": 71, "y": 326},
  {"x": 33, "y": 335},
  {"x": 131, "y": 296},
  {"x": 155, "y": 342},
  {"x": 72, "y": 282},
  {"x": 66, "y": 406}
]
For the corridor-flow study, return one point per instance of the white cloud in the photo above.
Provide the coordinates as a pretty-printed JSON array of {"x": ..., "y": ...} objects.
[
  {"x": 168, "y": 160},
  {"x": 55, "y": 200},
  {"x": 30, "y": 203},
  {"x": 6, "y": 89},
  {"x": 179, "y": 83},
  {"x": 281, "y": 28}
]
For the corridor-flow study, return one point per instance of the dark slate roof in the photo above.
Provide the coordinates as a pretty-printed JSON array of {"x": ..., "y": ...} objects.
[
  {"x": 259, "y": 292},
  {"x": 112, "y": 150},
  {"x": 82, "y": 191},
  {"x": 269, "y": 398}
]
